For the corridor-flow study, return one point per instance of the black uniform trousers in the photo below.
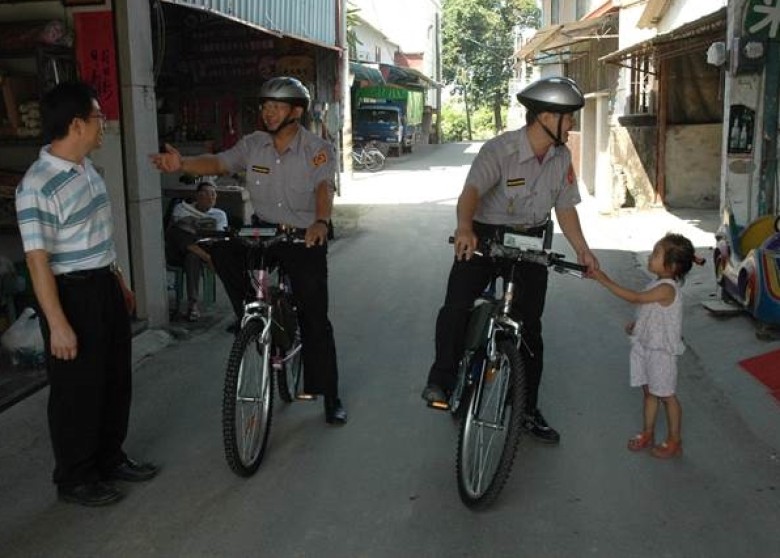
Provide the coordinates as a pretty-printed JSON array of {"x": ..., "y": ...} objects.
[
  {"x": 308, "y": 272},
  {"x": 89, "y": 396},
  {"x": 468, "y": 280}
]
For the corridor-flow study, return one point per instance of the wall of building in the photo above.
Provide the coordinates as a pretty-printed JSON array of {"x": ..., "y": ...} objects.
[
  {"x": 633, "y": 159},
  {"x": 693, "y": 165},
  {"x": 369, "y": 41}
]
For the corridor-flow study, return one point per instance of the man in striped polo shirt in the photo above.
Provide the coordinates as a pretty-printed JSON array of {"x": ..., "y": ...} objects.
[{"x": 65, "y": 220}]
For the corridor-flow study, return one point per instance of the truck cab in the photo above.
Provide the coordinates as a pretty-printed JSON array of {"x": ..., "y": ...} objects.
[{"x": 382, "y": 122}]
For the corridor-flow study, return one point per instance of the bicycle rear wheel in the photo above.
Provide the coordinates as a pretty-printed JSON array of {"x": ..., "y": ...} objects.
[
  {"x": 374, "y": 160},
  {"x": 290, "y": 376},
  {"x": 491, "y": 428},
  {"x": 247, "y": 400}
]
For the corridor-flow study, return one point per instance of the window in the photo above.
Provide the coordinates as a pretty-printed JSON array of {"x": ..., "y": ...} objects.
[
  {"x": 641, "y": 99},
  {"x": 377, "y": 54},
  {"x": 555, "y": 12}
]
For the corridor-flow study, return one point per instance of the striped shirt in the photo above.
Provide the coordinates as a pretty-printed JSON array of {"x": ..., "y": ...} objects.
[{"x": 63, "y": 208}]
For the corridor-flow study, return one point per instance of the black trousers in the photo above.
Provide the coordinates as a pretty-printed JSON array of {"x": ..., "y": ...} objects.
[
  {"x": 467, "y": 280},
  {"x": 89, "y": 396},
  {"x": 308, "y": 272}
]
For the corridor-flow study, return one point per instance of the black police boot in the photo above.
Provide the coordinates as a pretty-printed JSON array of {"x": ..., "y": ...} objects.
[
  {"x": 335, "y": 413},
  {"x": 538, "y": 428}
]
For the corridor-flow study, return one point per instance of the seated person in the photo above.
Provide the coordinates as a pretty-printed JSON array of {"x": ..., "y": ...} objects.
[{"x": 181, "y": 235}]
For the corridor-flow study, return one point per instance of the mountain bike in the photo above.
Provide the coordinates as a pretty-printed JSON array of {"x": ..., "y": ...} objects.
[
  {"x": 266, "y": 351},
  {"x": 368, "y": 157},
  {"x": 489, "y": 397}
]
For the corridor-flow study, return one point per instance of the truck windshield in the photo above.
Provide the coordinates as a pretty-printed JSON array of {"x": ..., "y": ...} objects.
[{"x": 379, "y": 116}]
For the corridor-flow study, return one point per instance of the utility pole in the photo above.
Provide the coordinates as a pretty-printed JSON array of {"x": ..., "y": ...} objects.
[
  {"x": 346, "y": 105},
  {"x": 437, "y": 63}
]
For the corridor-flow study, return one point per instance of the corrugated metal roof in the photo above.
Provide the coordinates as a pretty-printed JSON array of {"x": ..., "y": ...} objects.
[{"x": 308, "y": 20}]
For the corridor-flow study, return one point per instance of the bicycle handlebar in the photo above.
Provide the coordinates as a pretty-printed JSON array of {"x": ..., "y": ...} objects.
[
  {"x": 266, "y": 236},
  {"x": 554, "y": 260}
]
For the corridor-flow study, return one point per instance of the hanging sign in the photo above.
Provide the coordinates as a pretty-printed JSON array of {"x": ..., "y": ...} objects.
[
  {"x": 762, "y": 18},
  {"x": 96, "y": 57}
]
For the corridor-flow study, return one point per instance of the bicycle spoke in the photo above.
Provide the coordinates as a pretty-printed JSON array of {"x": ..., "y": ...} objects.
[{"x": 490, "y": 431}]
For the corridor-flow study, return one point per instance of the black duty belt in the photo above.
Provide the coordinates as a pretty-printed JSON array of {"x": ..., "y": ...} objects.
[
  {"x": 87, "y": 273},
  {"x": 497, "y": 231},
  {"x": 282, "y": 228}
]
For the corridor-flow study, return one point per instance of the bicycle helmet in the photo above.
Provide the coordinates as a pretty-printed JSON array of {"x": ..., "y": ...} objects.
[
  {"x": 557, "y": 95},
  {"x": 286, "y": 90},
  {"x": 560, "y": 95}
]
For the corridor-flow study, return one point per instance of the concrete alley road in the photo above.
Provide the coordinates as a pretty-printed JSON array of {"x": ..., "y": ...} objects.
[{"x": 384, "y": 485}]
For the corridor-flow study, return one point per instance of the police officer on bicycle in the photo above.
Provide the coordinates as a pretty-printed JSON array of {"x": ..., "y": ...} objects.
[
  {"x": 290, "y": 177},
  {"x": 513, "y": 184}
]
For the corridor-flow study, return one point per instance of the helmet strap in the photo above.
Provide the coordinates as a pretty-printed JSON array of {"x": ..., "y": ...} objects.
[
  {"x": 556, "y": 138},
  {"x": 286, "y": 122}
]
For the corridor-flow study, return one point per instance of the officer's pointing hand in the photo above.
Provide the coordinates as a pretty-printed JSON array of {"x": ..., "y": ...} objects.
[{"x": 170, "y": 161}]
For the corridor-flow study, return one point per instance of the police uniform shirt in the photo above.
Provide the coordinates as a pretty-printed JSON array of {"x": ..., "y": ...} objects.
[
  {"x": 282, "y": 186},
  {"x": 517, "y": 189}
]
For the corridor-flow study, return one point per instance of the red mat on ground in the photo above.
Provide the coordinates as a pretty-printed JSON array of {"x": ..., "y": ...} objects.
[{"x": 766, "y": 369}]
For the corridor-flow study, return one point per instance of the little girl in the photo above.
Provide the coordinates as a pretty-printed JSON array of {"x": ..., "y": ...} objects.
[{"x": 656, "y": 339}]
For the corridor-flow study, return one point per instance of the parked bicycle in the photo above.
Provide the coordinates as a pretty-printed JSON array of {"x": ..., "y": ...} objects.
[
  {"x": 266, "y": 352},
  {"x": 489, "y": 398},
  {"x": 368, "y": 157}
]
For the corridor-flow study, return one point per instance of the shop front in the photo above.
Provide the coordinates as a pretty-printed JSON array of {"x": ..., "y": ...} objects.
[{"x": 167, "y": 72}]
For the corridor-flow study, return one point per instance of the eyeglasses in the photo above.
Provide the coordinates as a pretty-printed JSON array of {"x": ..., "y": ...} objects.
[{"x": 100, "y": 116}]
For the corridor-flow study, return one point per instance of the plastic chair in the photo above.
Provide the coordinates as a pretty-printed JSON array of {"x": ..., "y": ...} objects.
[{"x": 208, "y": 282}]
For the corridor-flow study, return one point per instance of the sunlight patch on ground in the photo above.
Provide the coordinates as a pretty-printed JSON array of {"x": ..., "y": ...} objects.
[{"x": 626, "y": 229}]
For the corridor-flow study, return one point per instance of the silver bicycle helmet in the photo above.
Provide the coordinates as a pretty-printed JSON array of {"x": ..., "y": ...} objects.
[
  {"x": 286, "y": 90},
  {"x": 554, "y": 94}
]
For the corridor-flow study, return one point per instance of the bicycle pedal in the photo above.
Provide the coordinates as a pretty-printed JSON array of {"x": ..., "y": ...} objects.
[
  {"x": 439, "y": 405},
  {"x": 306, "y": 397}
]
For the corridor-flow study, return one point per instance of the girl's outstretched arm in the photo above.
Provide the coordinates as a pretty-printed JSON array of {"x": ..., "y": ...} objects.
[{"x": 662, "y": 294}]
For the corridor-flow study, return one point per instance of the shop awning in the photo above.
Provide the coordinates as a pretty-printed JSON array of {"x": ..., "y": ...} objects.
[
  {"x": 551, "y": 40},
  {"x": 367, "y": 72},
  {"x": 408, "y": 77},
  {"x": 687, "y": 38}
]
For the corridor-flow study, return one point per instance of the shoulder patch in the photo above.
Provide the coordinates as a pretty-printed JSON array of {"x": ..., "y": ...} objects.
[{"x": 320, "y": 158}]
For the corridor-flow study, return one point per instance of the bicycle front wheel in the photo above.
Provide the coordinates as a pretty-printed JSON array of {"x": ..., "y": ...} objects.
[
  {"x": 491, "y": 428},
  {"x": 290, "y": 376},
  {"x": 247, "y": 401}
]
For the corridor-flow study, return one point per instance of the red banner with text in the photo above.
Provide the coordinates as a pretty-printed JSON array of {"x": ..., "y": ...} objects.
[{"x": 96, "y": 57}]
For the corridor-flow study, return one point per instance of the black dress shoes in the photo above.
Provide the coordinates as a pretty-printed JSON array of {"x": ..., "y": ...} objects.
[
  {"x": 132, "y": 471},
  {"x": 90, "y": 494},
  {"x": 335, "y": 413}
]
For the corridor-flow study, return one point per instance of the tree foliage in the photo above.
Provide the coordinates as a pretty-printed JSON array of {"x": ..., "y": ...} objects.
[
  {"x": 477, "y": 48},
  {"x": 352, "y": 22}
]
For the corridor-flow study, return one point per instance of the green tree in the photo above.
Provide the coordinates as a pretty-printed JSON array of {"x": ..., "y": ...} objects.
[
  {"x": 478, "y": 47},
  {"x": 352, "y": 22}
]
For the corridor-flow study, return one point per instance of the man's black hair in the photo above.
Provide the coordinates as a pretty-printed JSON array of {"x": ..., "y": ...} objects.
[
  {"x": 62, "y": 104},
  {"x": 203, "y": 184}
]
